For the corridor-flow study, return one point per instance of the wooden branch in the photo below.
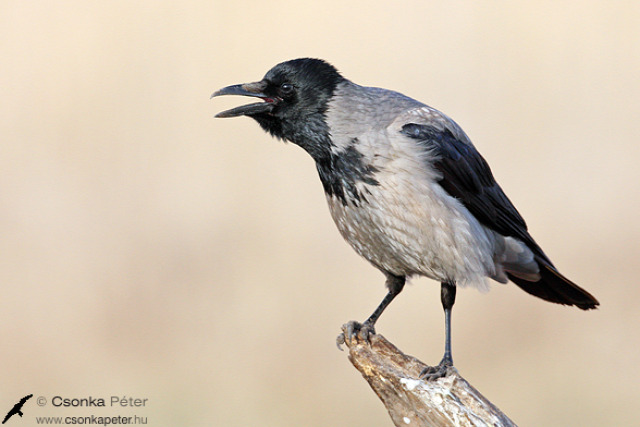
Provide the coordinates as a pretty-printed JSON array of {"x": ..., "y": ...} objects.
[{"x": 411, "y": 401}]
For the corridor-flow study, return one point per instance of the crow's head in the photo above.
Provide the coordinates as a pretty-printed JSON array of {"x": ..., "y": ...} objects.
[{"x": 294, "y": 98}]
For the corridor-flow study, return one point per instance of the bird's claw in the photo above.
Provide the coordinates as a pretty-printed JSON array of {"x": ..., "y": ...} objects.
[
  {"x": 340, "y": 340},
  {"x": 353, "y": 330},
  {"x": 442, "y": 369}
]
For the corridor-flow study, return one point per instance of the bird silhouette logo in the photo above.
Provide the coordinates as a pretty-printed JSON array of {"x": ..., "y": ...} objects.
[{"x": 17, "y": 408}]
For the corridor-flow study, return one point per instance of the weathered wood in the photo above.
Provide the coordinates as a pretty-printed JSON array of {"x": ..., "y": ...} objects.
[{"x": 411, "y": 401}]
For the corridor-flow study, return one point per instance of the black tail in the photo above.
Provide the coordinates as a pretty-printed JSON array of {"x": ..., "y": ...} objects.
[{"x": 554, "y": 287}]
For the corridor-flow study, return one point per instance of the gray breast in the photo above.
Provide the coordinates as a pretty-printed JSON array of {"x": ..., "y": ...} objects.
[{"x": 404, "y": 223}]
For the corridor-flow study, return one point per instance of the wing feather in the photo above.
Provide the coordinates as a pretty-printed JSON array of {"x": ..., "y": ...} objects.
[{"x": 466, "y": 175}]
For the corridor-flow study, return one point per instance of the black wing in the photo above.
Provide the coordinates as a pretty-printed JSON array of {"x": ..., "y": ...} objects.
[{"x": 467, "y": 177}]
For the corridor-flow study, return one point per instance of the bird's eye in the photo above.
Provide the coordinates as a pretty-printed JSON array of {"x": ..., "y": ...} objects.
[{"x": 286, "y": 89}]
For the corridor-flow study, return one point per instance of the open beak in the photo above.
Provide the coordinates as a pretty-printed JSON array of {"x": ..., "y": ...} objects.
[{"x": 248, "y": 89}]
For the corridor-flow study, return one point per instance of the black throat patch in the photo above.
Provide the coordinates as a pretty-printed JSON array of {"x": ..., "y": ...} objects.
[{"x": 340, "y": 173}]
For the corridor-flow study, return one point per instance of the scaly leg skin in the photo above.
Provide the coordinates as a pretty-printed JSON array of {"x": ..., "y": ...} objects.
[
  {"x": 442, "y": 369},
  {"x": 365, "y": 330}
]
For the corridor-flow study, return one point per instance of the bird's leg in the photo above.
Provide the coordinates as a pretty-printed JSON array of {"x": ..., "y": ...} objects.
[
  {"x": 363, "y": 330},
  {"x": 448, "y": 297}
]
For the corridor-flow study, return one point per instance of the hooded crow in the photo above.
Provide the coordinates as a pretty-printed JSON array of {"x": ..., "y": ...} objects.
[{"x": 406, "y": 188}]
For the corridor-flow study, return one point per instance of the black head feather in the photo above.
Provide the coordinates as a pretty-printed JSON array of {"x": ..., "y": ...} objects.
[
  {"x": 296, "y": 94},
  {"x": 303, "y": 88}
]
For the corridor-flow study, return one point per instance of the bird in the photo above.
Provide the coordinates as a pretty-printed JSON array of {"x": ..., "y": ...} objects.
[
  {"x": 406, "y": 188},
  {"x": 17, "y": 408}
]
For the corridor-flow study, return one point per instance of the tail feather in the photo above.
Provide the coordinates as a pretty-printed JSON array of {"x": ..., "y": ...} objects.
[{"x": 554, "y": 287}]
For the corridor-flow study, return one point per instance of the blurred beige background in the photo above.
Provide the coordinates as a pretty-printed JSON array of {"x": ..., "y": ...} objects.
[{"x": 150, "y": 250}]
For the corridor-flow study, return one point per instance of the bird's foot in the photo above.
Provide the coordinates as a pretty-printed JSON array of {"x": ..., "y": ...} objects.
[
  {"x": 353, "y": 330},
  {"x": 442, "y": 369}
]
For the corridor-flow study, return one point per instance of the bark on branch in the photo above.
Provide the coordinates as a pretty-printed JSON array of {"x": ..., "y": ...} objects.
[{"x": 411, "y": 401}]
